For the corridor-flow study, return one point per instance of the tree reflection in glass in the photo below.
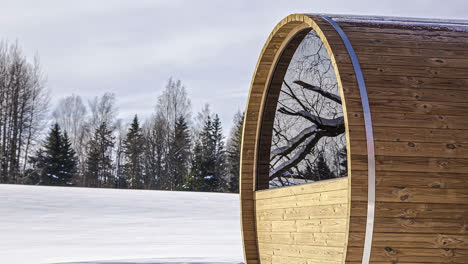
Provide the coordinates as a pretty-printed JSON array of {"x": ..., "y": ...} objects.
[{"x": 308, "y": 139}]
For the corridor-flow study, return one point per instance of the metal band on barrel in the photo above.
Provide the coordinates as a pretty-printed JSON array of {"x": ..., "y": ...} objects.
[{"x": 369, "y": 139}]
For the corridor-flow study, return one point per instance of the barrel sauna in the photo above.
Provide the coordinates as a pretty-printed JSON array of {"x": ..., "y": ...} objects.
[{"x": 355, "y": 143}]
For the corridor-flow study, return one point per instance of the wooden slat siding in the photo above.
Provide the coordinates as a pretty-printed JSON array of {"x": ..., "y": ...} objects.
[
  {"x": 395, "y": 240},
  {"x": 417, "y": 86},
  {"x": 415, "y": 52},
  {"x": 415, "y": 195},
  {"x": 301, "y": 213},
  {"x": 415, "y": 37},
  {"x": 402, "y": 82},
  {"x": 412, "y": 120},
  {"x": 411, "y": 255},
  {"x": 415, "y": 61},
  {"x": 434, "y": 135},
  {"x": 256, "y": 104},
  {"x": 307, "y": 222},
  {"x": 409, "y": 43},
  {"x": 417, "y": 149},
  {"x": 417, "y": 180},
  {"x": 414, "y": 210},
  {"x": 418, "y": 90},
  {"x": 406, "y": 226},
  {"x": 418, "y": 107},
  {"x": 400, "y": 29},
  {"x": 411, "y": 71},
  {"x": 414, "y": 164},
  {"x": 348, "y": 85}
]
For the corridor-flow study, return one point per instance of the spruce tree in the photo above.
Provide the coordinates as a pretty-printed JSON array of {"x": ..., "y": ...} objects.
[
  {"x": 208, "y": 162},
  {"x": 207, "y": 178},
  {"x": 69, "y": 158},
  {"x": 99, "y": 158},
  {"x": 219, "y": 155},
  {"x": 233, "y": 153},
  {"x": 194, "y": 181},
  {"x": 202, "y": 173},
  {"x": 57, "y": 163},
  {"x": 180, "y": 153},
  {"x": 134, "y": 149}
]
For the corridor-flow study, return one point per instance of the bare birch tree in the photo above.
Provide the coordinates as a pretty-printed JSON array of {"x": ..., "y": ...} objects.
[{"x": 23, "y": 107}]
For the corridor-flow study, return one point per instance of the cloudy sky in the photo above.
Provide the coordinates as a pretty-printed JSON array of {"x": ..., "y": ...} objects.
[{"x": 132, "y": 47}]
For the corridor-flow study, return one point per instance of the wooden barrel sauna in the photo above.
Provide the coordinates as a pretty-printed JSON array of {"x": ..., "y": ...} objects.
[{"x": 355, "y": 143}]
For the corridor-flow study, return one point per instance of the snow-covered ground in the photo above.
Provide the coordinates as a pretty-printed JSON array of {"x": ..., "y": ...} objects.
[{"x": 80, "y": 225}]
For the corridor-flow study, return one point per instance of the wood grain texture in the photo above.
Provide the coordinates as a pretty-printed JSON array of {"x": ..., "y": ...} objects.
[
  {"x": 334, "y": 203},
  {"x": 417, "y": 85},
  {"x": 306, "y": 222}
]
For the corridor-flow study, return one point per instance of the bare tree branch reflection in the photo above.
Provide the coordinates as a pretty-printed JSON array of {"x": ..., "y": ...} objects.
[{"x": 308, "y": 141}]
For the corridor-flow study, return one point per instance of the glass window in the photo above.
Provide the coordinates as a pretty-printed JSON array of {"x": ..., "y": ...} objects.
[{"x": 308, "y": 140}]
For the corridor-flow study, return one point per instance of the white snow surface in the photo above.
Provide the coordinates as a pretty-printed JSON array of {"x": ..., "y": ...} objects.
[{"x": 41, "y": 224}]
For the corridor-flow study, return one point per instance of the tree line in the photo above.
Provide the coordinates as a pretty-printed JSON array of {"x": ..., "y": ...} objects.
[{"x": 84, "y": 144}]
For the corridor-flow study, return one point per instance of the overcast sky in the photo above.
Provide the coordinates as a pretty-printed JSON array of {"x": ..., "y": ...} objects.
[{"x": 132, "y": 47}]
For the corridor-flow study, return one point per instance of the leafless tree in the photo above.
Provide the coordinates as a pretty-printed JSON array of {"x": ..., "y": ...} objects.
[
  {"x": 309, "y": 124},
  {"x": 23, "y": 107},
  {"x": 102, "y": 110},
  {"x": 173, "y": 103}
]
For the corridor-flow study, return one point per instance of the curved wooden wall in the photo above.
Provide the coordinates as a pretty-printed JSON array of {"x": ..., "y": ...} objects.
[{"x": 417, "y": 84}]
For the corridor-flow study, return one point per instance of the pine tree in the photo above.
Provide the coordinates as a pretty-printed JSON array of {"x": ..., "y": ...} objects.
[
  {"x": 99, "y": 158},
  {"x": 57, "y": 164},
  {"x": 195, "y": 181},
  {"x": 134, "y": 148},
  {"x": 69, "y": 158},
  {"x": 219, "y": 155},
  {"x": 233, "y": 153},
  {"x": 180, "y": 153},
  {"x": 203, "y": 161},
  {"x": 208, "y": 162},
  {"x": 207, "y": 178}
]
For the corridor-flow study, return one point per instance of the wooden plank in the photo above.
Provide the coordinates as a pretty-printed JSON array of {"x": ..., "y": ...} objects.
[
  {"x": 295, "y": 260},
  {"x": 411, "y": 120},
  {"x": 409, "y": 71},
  {"x": 316, "y": 187},
  {"x": 410, "y": 134},
  {"x": 308, "y": 239},
  {"x": 301, "y": 213},
  {"x": 414, "y": 179},
  {"x": 413, "y": 149},
  {"x": 412, "y": 210},
  {"x": 400, "y": 29},
  {"x": 316, "y": 253},
  {"x": 336, "y": 225},
  {"x": 405, "y": 240},
  {"x": 413, "y": 195},
  {"x": 425, "y": 39},
  {"x": 412, "y": 255},
  {"x": 410, "y": 164},
  {"x": 304, "y": 200},
  {"x": 406, "y": 43},
  {"x": 404, "y": 81},
  {"x": 421, "y": 94},
  {"x": 413, "y": 225},
  {"x": 399, "y": 60},
  {"x": 402, "y": 51},
  {"x": 418, "y": 107}
]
